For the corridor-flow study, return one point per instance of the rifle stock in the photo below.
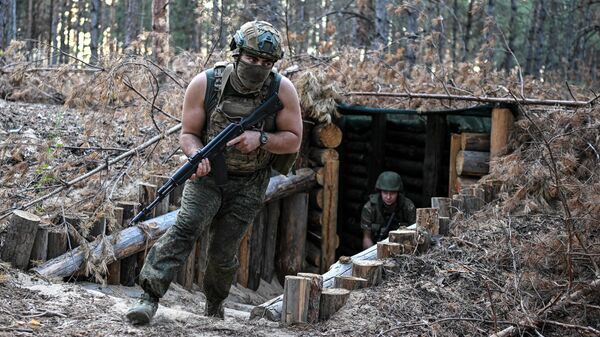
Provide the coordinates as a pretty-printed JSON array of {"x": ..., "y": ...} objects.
[{"x": 211, "y": 150}]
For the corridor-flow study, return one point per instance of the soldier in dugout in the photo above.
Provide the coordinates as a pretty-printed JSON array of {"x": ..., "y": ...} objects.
[{"x": 386, "y": 210}]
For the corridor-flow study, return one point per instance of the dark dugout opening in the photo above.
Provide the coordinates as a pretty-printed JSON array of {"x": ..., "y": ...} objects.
[{"x": 415, "y": 144}]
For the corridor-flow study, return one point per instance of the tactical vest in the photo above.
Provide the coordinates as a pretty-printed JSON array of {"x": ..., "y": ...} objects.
[
  {"x": 381, "y": 225},
  {"x": 223, "y": 105}
]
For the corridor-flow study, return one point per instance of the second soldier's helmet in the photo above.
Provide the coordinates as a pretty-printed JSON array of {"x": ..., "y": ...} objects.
[
  {"x": 389, "y": 181},
  {"x": 258, "y": 38}
]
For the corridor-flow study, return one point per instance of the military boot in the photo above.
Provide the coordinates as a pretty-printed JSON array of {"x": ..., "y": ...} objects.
[
  {"x": 214, "y": 309},
  {"x": 143, "y": 311}
]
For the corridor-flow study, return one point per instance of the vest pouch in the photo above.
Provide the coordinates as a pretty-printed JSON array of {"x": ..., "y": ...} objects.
[{"x": 283, "y": 163}]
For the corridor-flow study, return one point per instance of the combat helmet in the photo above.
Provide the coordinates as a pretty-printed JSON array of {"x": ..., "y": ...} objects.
[
  {"x": 258, "y": 38},
  {"x": 389, "y": 181}
]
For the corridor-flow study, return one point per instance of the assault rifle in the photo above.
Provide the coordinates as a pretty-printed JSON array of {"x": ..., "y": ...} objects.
[{"x": 214, "y": 152}]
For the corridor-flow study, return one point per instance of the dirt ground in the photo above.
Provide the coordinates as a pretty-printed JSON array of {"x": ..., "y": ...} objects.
[{"x": 516, "y": 263}]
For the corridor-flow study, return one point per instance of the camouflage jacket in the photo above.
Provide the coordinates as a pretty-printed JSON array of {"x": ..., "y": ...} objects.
[{"x": 376, "y": 215}]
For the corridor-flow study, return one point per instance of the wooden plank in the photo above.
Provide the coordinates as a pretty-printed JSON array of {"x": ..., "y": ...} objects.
[
  {"x": 330, "y": 241},
  {"x": 296, "y": 292},
  {"x": 502, "y": 121},
  {"x": 273, "y": 210},
  {"x": 292, "y": 235},
  {"x": 472, "y": 163},
  {"x": 314, "y": 298},
  {"x": 257, "y": 247},
  {"x": 455, "y": 140}
]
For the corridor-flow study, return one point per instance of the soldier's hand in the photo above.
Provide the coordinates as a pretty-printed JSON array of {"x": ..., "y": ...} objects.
[
  {"x": 246, "y": 142},
  {"x": 202, "y": 170}
]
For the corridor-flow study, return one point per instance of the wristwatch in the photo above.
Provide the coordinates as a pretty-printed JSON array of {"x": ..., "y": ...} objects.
[{"x": 263, "y": 138}]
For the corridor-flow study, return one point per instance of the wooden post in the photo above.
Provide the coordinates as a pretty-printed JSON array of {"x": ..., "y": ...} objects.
[
  {"x": 455, "y": 140},
  {"x": 389, "y": 249},
  {"x": 163, "y": 206},
  {"x": 444, "y": 225},
  {"x": 313, "y": 254},
  {"x": 434, "y": 156},
  {"x": 273, "y": 211},
  {"x": 296, "y": 295},
  {"x": 427, "y": 218},
  {"x": 314, "y": 298},
  {"x": 475, "y": 142},
  {"x": 321, "y": 156},
  {"x": 39, "y": 251},
  {"x": 350, "y": 282},
  {"x": 329, "y": 241},
  {"x": 20, "y": 236},
  {"x": 292, "y": 234},
  {"x": 244, "y": 258},
  {"x": 114, "y": 268},
  {"x": 129, "y": 264},
  {"x": 369, "y": 270},
  {"x": 332, "y": 300},
  {"x": 403, "y": 236},
  {"x": 443, "y": 205},
  {"x": 502, "y": 121},
  {"x": 57, "y": 241},
  {"x": 257, "y": 245}
]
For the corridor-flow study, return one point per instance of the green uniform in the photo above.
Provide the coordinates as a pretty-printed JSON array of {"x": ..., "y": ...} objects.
[
  {"x": 376, "y": 216},
  {"x": 222, "y": 212}
]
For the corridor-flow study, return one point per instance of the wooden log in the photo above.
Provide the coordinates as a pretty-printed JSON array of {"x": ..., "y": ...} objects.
[
  {"x": 428, "y": 219},
  {"x": 273, "y": 212},
  {"x": 443, "y": 205},
  {"x": 369, "y": 270},
  {"x": 444, "y": 225},
  {"x": 326, "y": 135},
  {"x": 313, "y": 253},
  {"x": 292, "y": 235},
  {"x": 319, "y": 173},
  {"x": 360, "y": 183},
  {"x": 330, "y": 241},
  {"x": 465, "y": 182},
  {"x": 404, "y": 137},
  {"x": 502, "y": 121},
  {"x": 244, "y": 258},
  {"x": 20, "y": 236},
  {"x": 332, "y": 300},
  {"x": 146, "y": 194},
  {"x": 39, "y": 251},
  {"x": 314, "y": 298},
  {"x": 57, "y": 241},
  {"x": 406, "y": 151},
  {"x": 404, "y": 166},
  {"x": 475, "y": 141},
  {"x": 355, "y": 147},
  {"x": 316, "y": 198},
  {"x": 472, "y": 163},
  {"x": 355, "y": 169},
  {"x": 257, "y": 246},
  {"x": 272, "y": 309},
  {"x": 389, "y": 249},
  {"x": 321, "y": 156},
  {"x": 455, "y": 140},
  {"x": 296, "y": 295},
  {"x": 350, "y": 282},
  {"x": 282, "y": 186}
]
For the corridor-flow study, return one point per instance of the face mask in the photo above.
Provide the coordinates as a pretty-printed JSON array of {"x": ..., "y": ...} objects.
[{"x": 249, "y": 78}]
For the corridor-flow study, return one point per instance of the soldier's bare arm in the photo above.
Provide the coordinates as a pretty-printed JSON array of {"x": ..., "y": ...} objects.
[{"x": 192, "y": 122}]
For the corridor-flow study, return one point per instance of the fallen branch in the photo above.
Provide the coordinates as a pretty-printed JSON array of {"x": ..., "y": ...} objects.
[
  {"x": 507, "y": 100},
  {"x": 113, "y": 161}
]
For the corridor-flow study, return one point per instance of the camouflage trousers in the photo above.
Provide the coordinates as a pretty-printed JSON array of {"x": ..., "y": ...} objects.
[{"x": 224, "y": 213}]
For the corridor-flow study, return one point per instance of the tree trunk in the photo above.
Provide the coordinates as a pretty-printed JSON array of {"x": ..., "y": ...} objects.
[
  {"x": 133, "y": 22},
  {"x": 511, "y": 35},
  {"x": 381, "y": 25},
  {"x": 332, "y": 300},
  {"x": 21, "y": 233},
  {"x": 160, "y": 30},
  {"x": 468, "y": 27}
]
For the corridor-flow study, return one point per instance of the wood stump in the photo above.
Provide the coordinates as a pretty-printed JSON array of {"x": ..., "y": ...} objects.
[
  {"x": 369, "y": 270},
  {"x": 427, "y": 218},
  {"x": 331, "y": 301},
  {"x": 350, "y": 282},
  {"x": 20, "y": 236},
  {"x": 39, "y": 251},
  {"x": 57, "y": 241},
  {"x": 444, "y": 225},
  {"x": 389, "y": 249},
  {"x": 314, "y": 298},
  {"x": 444, "y": 206},
  {"x": 296, "y": 296}
]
